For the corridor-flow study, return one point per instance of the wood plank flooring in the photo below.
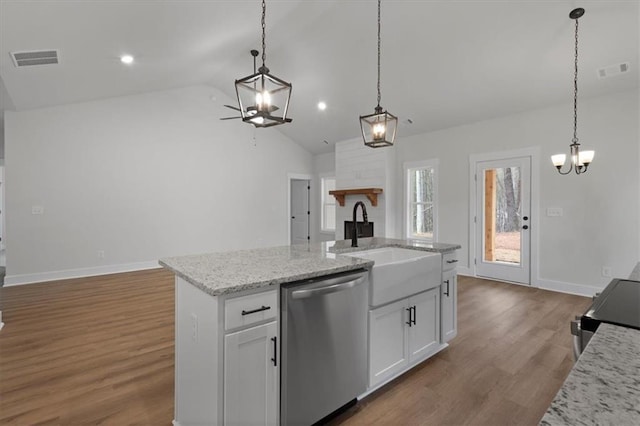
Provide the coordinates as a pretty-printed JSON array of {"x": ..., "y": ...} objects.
[{"x": 100, "y": 351}]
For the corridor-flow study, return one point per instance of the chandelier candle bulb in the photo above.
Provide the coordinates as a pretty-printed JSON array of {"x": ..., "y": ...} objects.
[{"x": 558, "y": 159}]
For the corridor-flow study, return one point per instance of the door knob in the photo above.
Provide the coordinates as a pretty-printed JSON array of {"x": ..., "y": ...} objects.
[{"x": 525, "y": 227}]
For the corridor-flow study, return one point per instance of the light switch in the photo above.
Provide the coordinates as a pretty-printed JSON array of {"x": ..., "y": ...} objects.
[
  {"x": 37, "y": 210},
  {"x": 554, "y": 211}
]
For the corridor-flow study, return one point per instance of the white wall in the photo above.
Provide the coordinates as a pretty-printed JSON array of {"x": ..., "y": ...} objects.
[
  {"x": 601, "y": 221},
  {"x": 323, "y": 165},
  {"x": 141, "y": 177}
]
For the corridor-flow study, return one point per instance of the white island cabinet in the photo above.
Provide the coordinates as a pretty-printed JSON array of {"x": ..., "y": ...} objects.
[
  {"x": 449, "y": 297},
  {"x": 402, "y": 334},
  {"x": 227, "y": 358}
]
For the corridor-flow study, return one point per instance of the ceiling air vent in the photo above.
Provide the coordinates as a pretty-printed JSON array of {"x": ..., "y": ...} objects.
[
  {"x": 613, "y": 70},
  {"x": 34, "y": 57}
]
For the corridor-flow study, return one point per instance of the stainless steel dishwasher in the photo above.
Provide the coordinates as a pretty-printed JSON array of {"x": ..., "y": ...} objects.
[{"x": 324, "y": 346}]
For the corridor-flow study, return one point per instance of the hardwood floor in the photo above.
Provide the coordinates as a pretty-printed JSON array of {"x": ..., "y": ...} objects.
[{"x": 100, "y": 351}]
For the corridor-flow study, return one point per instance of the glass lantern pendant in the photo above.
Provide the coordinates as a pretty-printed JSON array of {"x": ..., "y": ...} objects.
[
  {"x": 379, "y": 128},
  {"x": 261, "y": 94}
]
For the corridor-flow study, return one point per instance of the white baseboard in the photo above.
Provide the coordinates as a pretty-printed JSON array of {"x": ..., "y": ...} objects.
[
  {"x": 570, "y": 288},
  {"x": 463, "y": 270},
  {"x": 559, "y": 286},
  {"x": 39, "y": 277}
]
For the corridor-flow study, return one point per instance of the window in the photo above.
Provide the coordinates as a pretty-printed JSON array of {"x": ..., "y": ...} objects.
[
  {"x": 328, "y": 213},
  {"x": 421, "y": 188}
]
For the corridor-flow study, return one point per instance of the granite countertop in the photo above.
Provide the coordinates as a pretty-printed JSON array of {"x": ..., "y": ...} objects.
[
  {"x": 229, "y": 272},
  {"x": 344, "y": 246},
  {"x": 603, "y": 387}
]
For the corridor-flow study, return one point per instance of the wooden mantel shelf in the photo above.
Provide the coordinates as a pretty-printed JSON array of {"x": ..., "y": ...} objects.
[{"x": 371, "y": 193}]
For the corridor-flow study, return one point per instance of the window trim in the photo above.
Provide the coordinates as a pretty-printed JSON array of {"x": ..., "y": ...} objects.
[
  {"x": 409, "y": 166},
  {"x": 322, "y": 177}
]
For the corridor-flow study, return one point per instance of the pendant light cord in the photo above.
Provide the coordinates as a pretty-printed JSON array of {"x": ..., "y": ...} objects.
[
  {"x": 264, "y": 48},
  {"x": 379, "y": 53},
  {"x": 575, "y": 90}
]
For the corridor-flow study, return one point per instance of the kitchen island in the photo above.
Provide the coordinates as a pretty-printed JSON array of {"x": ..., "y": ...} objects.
[
  {"x": 227, "y": 323},
  {"x": 603, "y": 387}
]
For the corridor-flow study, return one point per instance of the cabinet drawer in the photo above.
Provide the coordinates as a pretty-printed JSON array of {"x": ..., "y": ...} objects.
[
  {"x": 247, "y": 310},
  {"x": 449, "y": 261}
]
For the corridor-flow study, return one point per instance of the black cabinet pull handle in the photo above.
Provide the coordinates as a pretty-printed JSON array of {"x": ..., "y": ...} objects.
[
  {"x": 253, "y": 311},
  {"x": 452, "y": 261},
  {"x": 409, "y": 322},
  {"x": 414, "y": 314},
  {"x": 275, "y": 351},
  {"x": 525, "y": 227},
  {"x": 446, "y": 293}
]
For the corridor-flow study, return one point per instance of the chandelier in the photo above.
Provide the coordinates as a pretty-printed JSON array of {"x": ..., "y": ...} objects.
[
  {"x": 579, "y": 160},
  {"x": 379, "y": 128},
  {"x": 261, "y": 94}
]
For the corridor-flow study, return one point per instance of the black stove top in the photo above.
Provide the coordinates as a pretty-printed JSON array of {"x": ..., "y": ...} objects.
[{"x": 619, "y": 304}]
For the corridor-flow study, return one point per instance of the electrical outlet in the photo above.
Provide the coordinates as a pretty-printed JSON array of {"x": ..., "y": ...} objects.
[
  {"x": 100, "y": 254},
  {"x": 194, "y": 327},
  {"x": 606, "y": 271}
]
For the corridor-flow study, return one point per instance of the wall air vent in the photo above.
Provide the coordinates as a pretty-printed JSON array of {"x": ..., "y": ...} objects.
[
  {"x": 35, "y": 57},
  {"x": 613, "y": 70}
]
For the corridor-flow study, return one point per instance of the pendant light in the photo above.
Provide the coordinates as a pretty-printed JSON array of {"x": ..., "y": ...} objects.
[
  {"x": 579, "y": 161},
  {"x": 379, "y": 128},
  {"x": 261, "y": 94}
]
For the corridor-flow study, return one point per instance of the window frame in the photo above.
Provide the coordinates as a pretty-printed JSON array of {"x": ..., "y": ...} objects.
[
  {"x": 324, "y": 196},
  {"x": 409, "y": 167}
]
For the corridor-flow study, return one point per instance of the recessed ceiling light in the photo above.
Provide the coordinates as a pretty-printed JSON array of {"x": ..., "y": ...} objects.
[
  {"x": 126, "y": 59},
  {"x": 322, "y": 106}
]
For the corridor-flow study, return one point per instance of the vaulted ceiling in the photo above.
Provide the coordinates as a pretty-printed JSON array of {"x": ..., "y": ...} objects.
[{"x": 444, "y": 63}]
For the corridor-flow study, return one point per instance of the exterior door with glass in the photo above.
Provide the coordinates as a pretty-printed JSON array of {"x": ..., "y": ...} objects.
[{"x": 503, "y": 222}]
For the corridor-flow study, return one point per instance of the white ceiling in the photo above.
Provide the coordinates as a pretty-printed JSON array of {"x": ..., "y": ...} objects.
[{"x": 444, "y": 63}]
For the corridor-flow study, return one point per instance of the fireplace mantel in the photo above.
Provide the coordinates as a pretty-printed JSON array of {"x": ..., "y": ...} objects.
[{"x": 371, "y": 193}]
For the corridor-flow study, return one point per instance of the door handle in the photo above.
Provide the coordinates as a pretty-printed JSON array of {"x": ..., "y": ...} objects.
[
  {"x": 409, "y": 310},
  {"x": 414, "y": 314},
  {"x": 331, "y": 286},
  {"x": 275, "y": 351},
  {"x": 525, "y": 227},
  {"x": 253, "y": 311},
  {"x": 446, "y": 293}
]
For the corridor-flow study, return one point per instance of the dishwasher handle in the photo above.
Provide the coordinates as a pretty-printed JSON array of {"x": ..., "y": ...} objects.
[{"x": 332, "y": 285}]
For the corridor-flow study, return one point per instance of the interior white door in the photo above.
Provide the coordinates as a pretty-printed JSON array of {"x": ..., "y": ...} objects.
[
  {"x": 300, "y": 211},
  {"x": 503, "y": 219}
]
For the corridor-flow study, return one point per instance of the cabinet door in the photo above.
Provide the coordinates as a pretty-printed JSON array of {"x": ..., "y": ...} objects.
[
  {"x": 387, "y": 343},
  {"x": 449, "y": 297},
  {"x": 424, "y": 332},
  {"x": 251, "y": 376}
]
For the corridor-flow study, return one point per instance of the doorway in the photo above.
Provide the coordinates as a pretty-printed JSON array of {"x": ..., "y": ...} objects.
[
  {"x": 299, "y": 210},
  {"x": 502, "y": 222}
]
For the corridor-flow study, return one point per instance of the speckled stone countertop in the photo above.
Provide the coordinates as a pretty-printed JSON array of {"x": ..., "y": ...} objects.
[
  {"x": 603, "y": 387},
  {"x": 229, "y": 272},
  {"x": 344, "y": 246}
]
